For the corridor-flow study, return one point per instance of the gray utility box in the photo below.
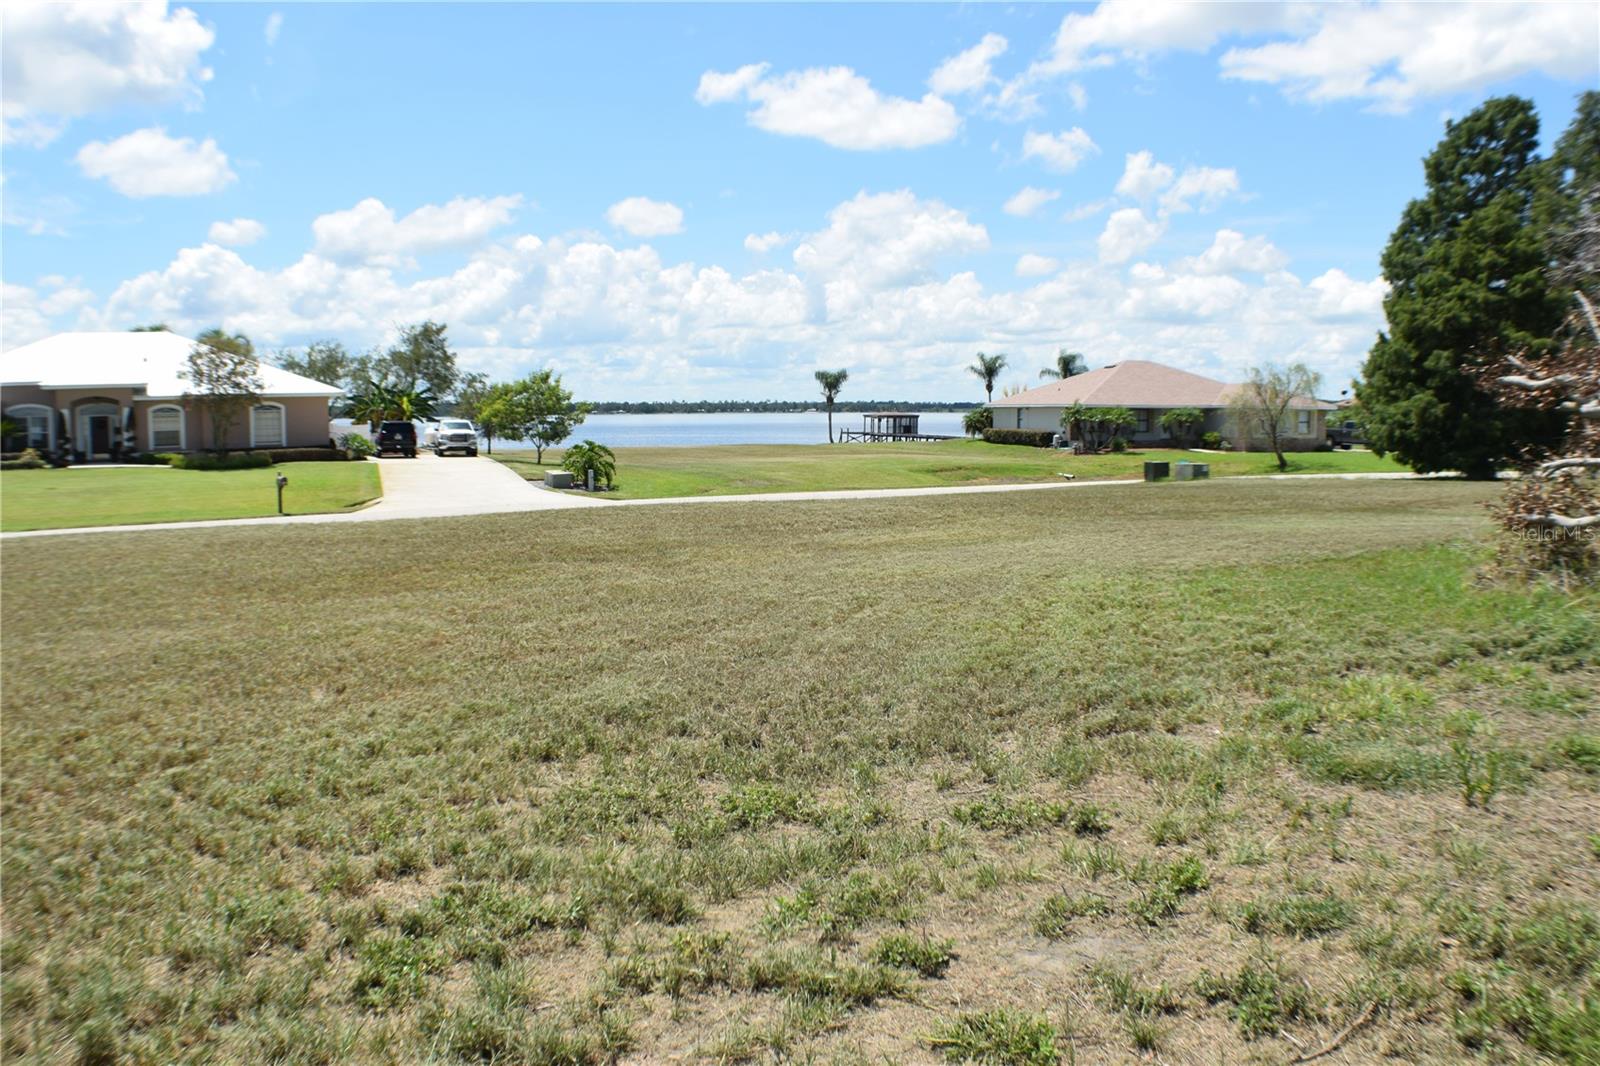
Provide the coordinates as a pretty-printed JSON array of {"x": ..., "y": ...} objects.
[
  {"x": 1154, "y": 471},
  {"x": 558, "y": 479},
  {"x": 1193, "y": 471}
]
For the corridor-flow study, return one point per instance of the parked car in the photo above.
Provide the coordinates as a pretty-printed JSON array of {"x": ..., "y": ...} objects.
[
  {"x": 454, "y": 435},
  {"x": 1344, "y": 435},
  {"x": 397, "y": 437}
]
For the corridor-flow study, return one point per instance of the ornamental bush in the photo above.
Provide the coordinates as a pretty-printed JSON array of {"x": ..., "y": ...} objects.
[
  {"x": 231, "y": 461},
  {"x": 1033, "y": 438}
]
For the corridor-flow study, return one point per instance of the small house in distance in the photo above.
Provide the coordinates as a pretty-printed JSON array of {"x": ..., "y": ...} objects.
[
  {"x": 1150, "y": 390},
  {"x": 102, "y": 396}
]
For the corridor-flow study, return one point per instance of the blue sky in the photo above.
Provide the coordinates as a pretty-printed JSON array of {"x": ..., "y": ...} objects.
[{"x": 713, "y": 201}]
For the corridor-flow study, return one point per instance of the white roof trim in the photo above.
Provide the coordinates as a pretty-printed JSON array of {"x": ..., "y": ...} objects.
[{"x": 154, "y": 360}]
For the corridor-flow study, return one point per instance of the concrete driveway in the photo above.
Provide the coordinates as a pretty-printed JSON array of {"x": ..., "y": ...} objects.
[{"x": 431, "y": 487}]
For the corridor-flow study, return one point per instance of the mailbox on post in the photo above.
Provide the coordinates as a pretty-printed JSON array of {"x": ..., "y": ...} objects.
[{"x": 282, "y": 481}]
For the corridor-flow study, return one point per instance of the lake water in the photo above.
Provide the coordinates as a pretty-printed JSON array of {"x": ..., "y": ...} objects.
[{"x": 686, "y": 430}]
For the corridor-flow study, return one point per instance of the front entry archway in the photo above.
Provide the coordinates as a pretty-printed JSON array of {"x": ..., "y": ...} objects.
[{"x": 98, "y": 432}]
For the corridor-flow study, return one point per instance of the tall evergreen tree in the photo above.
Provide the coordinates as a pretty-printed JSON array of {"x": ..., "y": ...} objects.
[{"x": 1468, "y": 272}]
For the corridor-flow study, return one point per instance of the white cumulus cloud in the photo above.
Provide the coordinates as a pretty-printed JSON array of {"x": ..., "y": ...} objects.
[
  {"x": 62, "y": 60},
  {"x": 1028, "y": 200},
  {"x": 1388, "y": 55},
  {"x": 273, "y": 27},
  {"x": 883, "y": 239},
  {"x": 1231, "y": 252},
  {"x": 239, "y": 232},
  {"x": 1128, "y": 232},
  {"x": 1391, "y": 55},
  {"x": 370, "y": 230},
  {"x": 1200, "y": 188},
  {"x": 1030, "y": 265},
  {"x": 890, "y": 277},
  {"x": 148, "y": 163},
  {"x": 644, "y": 217},
  {"x": 1143, "y": 177},
  {"x": 834, "y": 105},
  {"x": 761, "y": 243},
  {"x": 1059, "y": 151},
  {"x": 968, "y": 71}
]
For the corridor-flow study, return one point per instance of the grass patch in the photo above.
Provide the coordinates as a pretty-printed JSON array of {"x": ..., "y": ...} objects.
[
  {"x": 736, "y": 470},
  {"x": 61, "y": 499},
  {"x": 1001, "y": 1037},
  {"x": 682, "y": 780}
]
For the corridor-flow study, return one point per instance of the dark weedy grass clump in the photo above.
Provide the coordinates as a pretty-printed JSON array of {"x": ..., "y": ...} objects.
[{"x": 1001, "y": 1037}]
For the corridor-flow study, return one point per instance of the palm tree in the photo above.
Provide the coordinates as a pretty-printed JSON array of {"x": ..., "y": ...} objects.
[
  {"x": 370, "y": 403},
  {"x": 1068, "y": 364},
  {"x": 586, "y": 456},
  {"x": 831, "y": 381},
  {"x": 987, "y": 368}
]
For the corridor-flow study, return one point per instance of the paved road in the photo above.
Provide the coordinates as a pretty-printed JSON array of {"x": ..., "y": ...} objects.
[{"x": 430, "y": 487}]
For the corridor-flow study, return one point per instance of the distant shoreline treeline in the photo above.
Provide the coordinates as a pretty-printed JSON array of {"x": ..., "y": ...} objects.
[{"x": 705, "y": 407}]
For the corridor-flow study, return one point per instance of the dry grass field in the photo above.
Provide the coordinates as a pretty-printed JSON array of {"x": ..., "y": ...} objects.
[{"x": 1213, "y": 773}]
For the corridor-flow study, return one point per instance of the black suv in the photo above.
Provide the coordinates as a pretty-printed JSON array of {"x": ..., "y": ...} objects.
[{"x": 397, "y": 437}]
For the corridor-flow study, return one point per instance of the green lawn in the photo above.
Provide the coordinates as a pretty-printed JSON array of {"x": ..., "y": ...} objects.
[
  {"x": 1087, "y": 773},
  {"x": 87, "y": 496},
  {"x": 653, "y": 473}
]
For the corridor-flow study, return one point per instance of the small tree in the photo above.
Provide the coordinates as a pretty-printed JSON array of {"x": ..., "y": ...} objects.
[
  {"x": 586, "y": 456},
  {"x": 324, "y": 361},
  {"x": 1094, "y": 427},
  {"x": 975, "y": 422},
  {"x": 1068, "y": 365},
  {"x": 1261, "y": 406},
  {"x": 536, "y": 409},
  {"x": 423, "y": 357},
  {"x": 987, "y": 369},
  {"x": 224, "y": 381},
  {"x": 1181, "y": 422}
]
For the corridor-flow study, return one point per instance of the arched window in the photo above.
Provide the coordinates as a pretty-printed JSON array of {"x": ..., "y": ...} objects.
[
  {"x": 36, "y": 426},
  {"x": 267, "y": 426},
  {"x": 166, "y": 429}
]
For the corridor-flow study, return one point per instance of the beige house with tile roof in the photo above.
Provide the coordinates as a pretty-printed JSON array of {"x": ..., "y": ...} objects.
[
  {"x": 102, "y": 396},
  {"x": 1149, "y": 390}
]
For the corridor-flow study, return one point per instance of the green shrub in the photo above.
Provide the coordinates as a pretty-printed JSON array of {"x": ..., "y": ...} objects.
[
  {"x": 306, "y": 455},
  {"x": 1212, "y": 440},
  {"x": 30, "y": 459},
  {"x": 356, "y": 446},
  {"x": 1032, "y": 438},
  {"x": 230, "y": 461},
  {"x": 998, "y": 1036},
  {"x": 1119, "y": 444},
  {"x": 975, "y": 422},
  {"x": 587, "y": 456}
]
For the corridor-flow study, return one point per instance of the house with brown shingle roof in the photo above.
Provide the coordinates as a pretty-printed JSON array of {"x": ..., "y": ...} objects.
[{"x": 1150, "y": 390}]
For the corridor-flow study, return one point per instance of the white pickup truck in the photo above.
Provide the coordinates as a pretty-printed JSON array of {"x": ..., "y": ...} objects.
[{"x": 453, "y": 435}]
